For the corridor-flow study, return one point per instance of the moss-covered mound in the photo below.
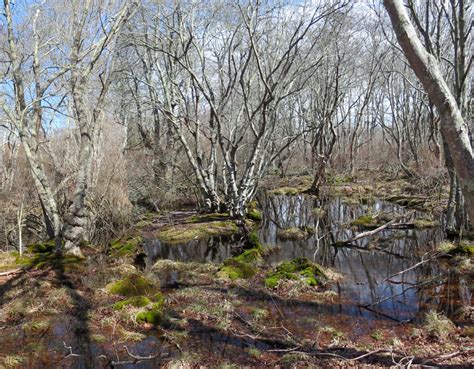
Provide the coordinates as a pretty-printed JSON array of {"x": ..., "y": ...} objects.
[
  {"x": 125, "y": 246},
  {"x": 152, "y": 314},
  {"x": 132, "y": 285},
  {"x": 141, "y": 293},
  {"x": 425, "y": 223},
  {"x": 296, "y": 269},
  {"x": 196, "y": 229},
  {"x": 242, "y": 266},
  {"x": 295, "y": 233},
  {"x": 366, "y": 221},
  {"x": 136, "y": 301},
  {"x": 463, "y": 249},
  {"x": 253, "y": 213}
]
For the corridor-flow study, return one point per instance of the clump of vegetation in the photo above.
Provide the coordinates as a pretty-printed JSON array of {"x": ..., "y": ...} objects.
[
  {"x": 254, "y": 214},
  {"x": 36, "y": 326},
  {"x": 125, "y": 246},
  {"x": 132, "y": 285},
  {"x": 437, "y": 325},
  {"x": 241, "y": 266},
  {"x": 259, "y": 314},
  {"x": 318, "y": 212},
  {"x": 41, "y": 247},
  {"x": 425, "y": 223},
  {"x": 254, "y": 352},
  {"x": 136, "y": 301},
  {"x": 460, "y": 249},
  {"x": 463, "y": 249},
  {"x": 43, "y": 255},
  {"x": 365, "y": 221},
  {"x": 153, "y": 314},
  {"x": 8, "y": 261},
  {"x": 292, "y": 191},
  {"x": 234, "y": 269},
  {"x": 446, "y": 247},
  {"x": 377, "y": 335},
  {"x": 191, "y": 231},
  {"x": 296, "y": 269},
  {"x": 253, "y": 241},
  {"x": 295, "y": 233}
]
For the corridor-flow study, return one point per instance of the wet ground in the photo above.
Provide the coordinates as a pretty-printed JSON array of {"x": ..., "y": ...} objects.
[{"x": 367, "y": 314}]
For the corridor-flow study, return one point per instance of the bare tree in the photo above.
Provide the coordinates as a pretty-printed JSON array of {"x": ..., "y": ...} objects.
[{"x": 453, "y": 127}]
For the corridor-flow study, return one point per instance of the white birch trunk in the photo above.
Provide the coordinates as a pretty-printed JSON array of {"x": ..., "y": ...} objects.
[{"x": 453, "y": 127}]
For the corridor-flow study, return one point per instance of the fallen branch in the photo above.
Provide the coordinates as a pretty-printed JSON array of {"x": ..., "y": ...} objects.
[
  {"x": 449, "y": 356},
  {"x": 71, "y": 354},
  {"x": 376, "y": 230},
  {"x": 9, "y": 272}
]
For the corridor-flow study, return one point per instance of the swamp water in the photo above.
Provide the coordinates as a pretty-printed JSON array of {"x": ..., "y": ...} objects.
[{"x": 364, "y": 293}]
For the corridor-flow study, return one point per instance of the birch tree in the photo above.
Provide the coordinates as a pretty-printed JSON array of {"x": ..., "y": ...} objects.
[
  {"x": 426, "y": 68},
  {"x": 59, "y": 74}
]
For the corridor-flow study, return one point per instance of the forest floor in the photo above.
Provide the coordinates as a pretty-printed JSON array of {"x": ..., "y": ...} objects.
[{"x": 106, "y": 310}]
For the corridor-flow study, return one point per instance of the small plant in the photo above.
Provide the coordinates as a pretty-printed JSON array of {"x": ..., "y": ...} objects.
[
  {"x": 437, "y": 325},
  {"x": 254, "y": 352},
  {"x": 259, "y": 314},
  {"x": 377, "y": 335}
]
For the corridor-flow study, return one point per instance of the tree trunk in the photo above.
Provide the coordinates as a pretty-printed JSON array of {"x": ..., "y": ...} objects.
[{"x": 453, "y": 127}]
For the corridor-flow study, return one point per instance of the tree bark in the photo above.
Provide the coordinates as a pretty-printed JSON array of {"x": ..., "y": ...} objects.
[{"x": 453, "y": 127}]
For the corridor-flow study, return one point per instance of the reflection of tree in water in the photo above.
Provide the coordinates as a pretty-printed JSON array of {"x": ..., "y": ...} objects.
[{"x": 364, "y": 268}]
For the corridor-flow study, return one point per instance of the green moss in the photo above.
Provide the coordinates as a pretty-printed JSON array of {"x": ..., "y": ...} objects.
[
  {"x": 42, "y": 259},
  {"x": 365, "y": 221},
  {"x": 36, "y": 326},
  {"x": 253, "y": 241},
  {"x": 462, "y": 249},
  {"x": 211, "y": 217},
  {"x": 132, "y": 285},
  {"x": 237, "y": 270},
  {"x": 39, "y": 248},
  {"x": 292, "y": 233},
  {"x": 297, "y": 269},
  {"x": 292, "y": 191},
  {"x": 248, "y": 256},
  {"x": 254, "y": 214},
  {"x": 377, "y": 335},
  {"x": 98, "y": 338},
  {"x": 339, "y": 179},
  {"x": 153, "y": 314},
  {"x": 191, "y": 231},
  {"x": 136, "y": 301},
  {"x": 125, "y": 246},
  {"x": 425, "y": 223}
]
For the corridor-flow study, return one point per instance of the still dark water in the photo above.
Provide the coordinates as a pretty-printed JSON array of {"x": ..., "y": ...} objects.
[{"x": 363, "y": 291}]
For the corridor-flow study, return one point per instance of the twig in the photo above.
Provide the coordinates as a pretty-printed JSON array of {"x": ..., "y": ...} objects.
[
  {"x": 70, "y": 351},
  {"x": 136, "y": 357}
]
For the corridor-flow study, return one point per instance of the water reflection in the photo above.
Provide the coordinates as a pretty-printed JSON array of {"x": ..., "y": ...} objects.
[{"x": 364, "y": 292}]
